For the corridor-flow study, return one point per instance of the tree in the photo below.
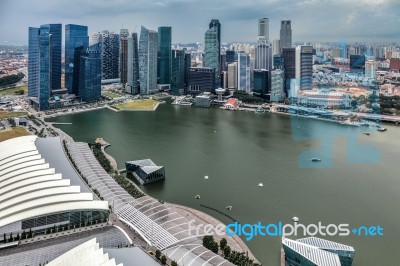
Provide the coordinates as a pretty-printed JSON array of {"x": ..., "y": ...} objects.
[
  {"x": 227, "y": 251},
  {"x": 354, "y": 104},
  {"x": 173, "y": 263},
  {"x": 158, "y": 254},
  {"x": 163, "y": 260},
  {"x": 222, "y": 243}
]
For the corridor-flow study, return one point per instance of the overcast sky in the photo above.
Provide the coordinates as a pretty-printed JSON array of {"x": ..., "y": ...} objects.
[{"x": 312, "y": 20}]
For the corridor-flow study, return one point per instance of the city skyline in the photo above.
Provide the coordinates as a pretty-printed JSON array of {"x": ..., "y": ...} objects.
[{"x": 311, "y": 20}]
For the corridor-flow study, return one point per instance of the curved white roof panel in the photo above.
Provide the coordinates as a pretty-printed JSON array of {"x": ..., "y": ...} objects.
[{"x": 29, "y": 187}]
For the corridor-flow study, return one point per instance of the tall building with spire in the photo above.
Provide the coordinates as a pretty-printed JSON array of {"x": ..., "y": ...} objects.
[{"x": 148, "y": 44}]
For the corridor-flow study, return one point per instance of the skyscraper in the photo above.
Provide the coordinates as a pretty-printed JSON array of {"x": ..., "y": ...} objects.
[
  {"x": 263, "y": 29},
  {"x": 148, "y": 43},
  {"x": 276, "y": 47},
  {"x": 289, "y": 61},
  {"x": 133, "y": 65},
  {"x": 232, "y": 76},
  {"x": 76, "y": 37},
  {"x": 211, "y": 51},
  {"x": 286, "y": 34},
  {"x": 261, "y": 82},
  {"x": 201, "y": 79},
  {"x": 90, "y": 73},
  {"x": 263, "y": 58},
  {"x": 370, "y": 67},
  {"x": 178, "y": 71},
  {"x": 123, "y": 55},
  {"x": 304, "y": 66},
  {"x": 243, "y": 72},
  {"x": 164, "y": 55},
  {"x": 277, "y": 85},
  {"x": 44, "y": 65},
  {"x": 188, "y": 65},
  {"x": 215, "y": 23},
  {"x": 33, "y": 63},
  {"x": 109, "y": 55},
  {"x": 95, "y": 37}
]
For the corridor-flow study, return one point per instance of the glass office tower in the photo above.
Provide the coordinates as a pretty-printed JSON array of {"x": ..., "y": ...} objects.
[
  {"x": 164, "y": 55},
  {"x": 90, "y": 73},
  {"x": 76, "y": 36},
  {"x": 211, "y": 51},
  {"x": 132, "y": 85},
  {"x": 148, "y": 61},
  {"x": 178, "y": 71},
  {"x": 33, "y": 62}
]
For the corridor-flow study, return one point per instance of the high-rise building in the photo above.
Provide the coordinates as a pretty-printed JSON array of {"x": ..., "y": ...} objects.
[
  {"x": 276, "y": 47},
  {"x": 123, "y": 55},
  {"x": 95, "y": 37},
  {"x": 201, "y": 79},
  {"x": 289, "y": 60},
  {"x": 211, "y": 51},
  {"x": 232, "y": 76},
  {"x": 164, "y": 55},
  {"x": 178, "y": 71},
  {"x": 277, "y": 85},
  {"x": 263, "y": 29},
  {"x": 304, "y": 66},
  {"x": 263, "y": 59},
  {"x": 286, "y": 34},
  {"x": 278, "y": 62},
  {"x": 188, "y": 65},
  {"x": 243, "y": 75},
  {"x": 132, "y": 85},
  {"x": 90, "y": 74},
  {"x": 110, "y": 55},
  {"x": 44, "y": 67},
  {"x": 370, "y": 67},
  {"x": 230, "y": 57},
  {"x": 215, "y": 23},
  {"x": 260, "y": 85},
  {"x": 148, "y": 43},
  {"x": 33, "y": 62},
  {"x": 357, "y": 63},
  {"x": 76, "y": 38}
]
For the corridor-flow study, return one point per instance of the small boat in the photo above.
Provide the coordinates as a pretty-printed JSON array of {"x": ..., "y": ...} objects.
[
  {"x": 316, "y": 160},
  {"x": 295, "y": 219},
  {"x": 197, "y": 197},
  {"x": 206, "y": 177},
  {"x": 260, "y": 185},
  {"x": 381, "y": 129},
  {"x": 366, "y": 133},
  {"x": 259, "y": 110},
  {"x": 228, "y": 208}
]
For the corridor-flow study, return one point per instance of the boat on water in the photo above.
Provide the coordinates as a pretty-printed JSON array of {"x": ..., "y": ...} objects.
[
  {"x": 197, "y": 197},
  {"x": 316, "y": 160},
  {"x": 366, "y": 133},
  {"x": 295, "y": 219},
  {"x": 381, "y": 129},
  {"x": 260, "y": 185},
  {"x": 206, "y": 177},
  {"x": 259, "y": 110},
  {"x": 228, "y": 208}
]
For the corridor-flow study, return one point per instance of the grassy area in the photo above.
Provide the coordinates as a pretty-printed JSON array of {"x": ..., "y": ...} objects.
[
  {"x": 111, "y": 95},
  {"x": 4, "y": 115},
  {"x": 15, "y": 132},
  {"x": 137, "y": 105},
  {"x": 14, "y": 91}
]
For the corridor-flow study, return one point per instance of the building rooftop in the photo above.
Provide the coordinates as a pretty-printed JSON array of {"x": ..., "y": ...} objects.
[
  {"x": 324, "y": 244},
  {"x": 318, "y": 256},
  {"x": 29, "y": 187}
]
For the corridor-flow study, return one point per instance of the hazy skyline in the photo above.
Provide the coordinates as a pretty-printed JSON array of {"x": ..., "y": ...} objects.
[{"x": 312, "y": 20}]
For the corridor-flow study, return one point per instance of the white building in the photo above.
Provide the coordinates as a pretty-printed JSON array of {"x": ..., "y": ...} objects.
[
  {"x": 263, "y": 55},
  {"x": 232, "y": 75},
  {"x": 324, "y": 98},
  {"x": 370, "y": 69}
]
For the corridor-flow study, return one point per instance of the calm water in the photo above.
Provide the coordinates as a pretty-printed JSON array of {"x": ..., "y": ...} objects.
[{"x": 238, "y": 150}]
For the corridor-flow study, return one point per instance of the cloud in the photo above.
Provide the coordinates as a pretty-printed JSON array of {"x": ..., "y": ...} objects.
[{"x": 312, "y": 20}]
